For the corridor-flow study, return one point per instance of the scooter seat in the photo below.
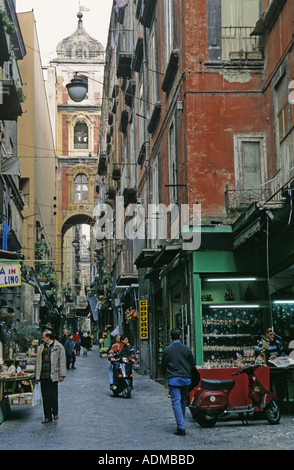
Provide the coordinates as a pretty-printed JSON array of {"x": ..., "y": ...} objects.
[{"x": 217, "y": 384}]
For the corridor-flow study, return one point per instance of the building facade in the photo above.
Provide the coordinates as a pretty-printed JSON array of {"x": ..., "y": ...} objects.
[
  {"x": 199, "y": 116},
  {"x": 12, "y": 52},
  {"x": 186, "y": 128},
  {"x": 36, "y": 149}
]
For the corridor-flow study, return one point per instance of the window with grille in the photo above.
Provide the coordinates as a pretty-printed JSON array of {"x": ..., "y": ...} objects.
[
  {"x": 81, "y": 189},
  {"x": 81, "y": 135}
]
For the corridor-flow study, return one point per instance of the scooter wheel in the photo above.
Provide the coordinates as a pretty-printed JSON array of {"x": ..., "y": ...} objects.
[
  {"x": 127, "y": 392},
  {"x": 206, "y": 419},
  {"x": 272, "y": 413}
]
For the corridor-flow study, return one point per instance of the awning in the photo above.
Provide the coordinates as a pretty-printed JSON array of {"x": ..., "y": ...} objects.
[
  {"x": 147, "y": 257},
  {"x": 152, "y": 274},
  {"x": 127, "y": 280},
  {"x": 94, "y": 302},
  {"x": 6, "y": 255},
  {"x": 166, "y": 255}
]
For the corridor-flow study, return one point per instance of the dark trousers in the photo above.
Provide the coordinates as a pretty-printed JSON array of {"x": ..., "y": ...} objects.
[
  {"x": 50, "y": 397},
  {"x": 70, "y": 359}
]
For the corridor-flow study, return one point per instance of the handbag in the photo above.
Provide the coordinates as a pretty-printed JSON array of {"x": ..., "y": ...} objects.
[{"x": 37, "y": 395}]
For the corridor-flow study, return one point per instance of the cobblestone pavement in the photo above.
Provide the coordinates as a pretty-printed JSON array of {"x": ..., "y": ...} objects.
[{"x": 92, "y": 419}]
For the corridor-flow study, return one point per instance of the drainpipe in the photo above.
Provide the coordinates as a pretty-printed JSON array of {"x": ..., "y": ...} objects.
[{"x": 146, "y": 136}]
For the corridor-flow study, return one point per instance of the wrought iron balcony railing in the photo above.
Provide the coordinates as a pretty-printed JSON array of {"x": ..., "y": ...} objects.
[
  {"x": 236, "y": 39},
  {"x": 240, "y": 199}
]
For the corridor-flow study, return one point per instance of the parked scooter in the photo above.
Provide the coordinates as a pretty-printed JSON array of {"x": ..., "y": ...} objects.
[
  {"x": 124, "y": 380},
  {"x": 211, "y": 400}
]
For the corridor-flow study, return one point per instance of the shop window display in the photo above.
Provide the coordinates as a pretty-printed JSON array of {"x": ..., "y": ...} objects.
[
  {"x": 231, "y": 322},
  {"x": 228, "y": 331}
]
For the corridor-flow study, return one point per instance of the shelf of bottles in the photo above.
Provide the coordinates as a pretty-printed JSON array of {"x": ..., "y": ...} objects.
[{"x": 231, "y": 322}]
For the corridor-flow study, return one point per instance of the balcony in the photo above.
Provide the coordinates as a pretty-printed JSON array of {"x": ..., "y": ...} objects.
[
  {"x": 237, "y": 44},
  {"x": 239, "y": 200},
  {"x": 12, "y": 92},
  {"x": 10, "y": 109}
]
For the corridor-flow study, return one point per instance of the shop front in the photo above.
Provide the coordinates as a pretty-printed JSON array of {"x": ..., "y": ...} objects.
[
  {"x": 172, "y": 303},
  {"x": 266, "y": 234},
  {"x": 229, "y": 310}
]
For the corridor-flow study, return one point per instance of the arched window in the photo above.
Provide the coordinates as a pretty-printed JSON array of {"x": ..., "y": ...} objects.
[
  {"x": 81, "y": 189},
  {"x": 81, "y": 135}
]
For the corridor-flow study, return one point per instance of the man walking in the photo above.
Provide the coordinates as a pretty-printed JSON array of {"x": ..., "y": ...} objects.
[
  {"x": 50, "y": 368},
  {"x": 177, "y": 362}
]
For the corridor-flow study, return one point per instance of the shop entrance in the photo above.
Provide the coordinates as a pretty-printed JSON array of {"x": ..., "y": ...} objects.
[{"x": 159, "y": 334}]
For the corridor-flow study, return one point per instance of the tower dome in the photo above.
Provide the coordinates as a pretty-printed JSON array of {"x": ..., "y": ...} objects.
[{"x": 80, "y": 46}]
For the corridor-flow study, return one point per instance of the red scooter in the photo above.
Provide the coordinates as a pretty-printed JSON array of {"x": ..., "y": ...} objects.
[{"x": 211, "y": 400}]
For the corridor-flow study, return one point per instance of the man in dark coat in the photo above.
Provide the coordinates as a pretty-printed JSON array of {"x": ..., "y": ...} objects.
[{"x": 177, "y": 362}]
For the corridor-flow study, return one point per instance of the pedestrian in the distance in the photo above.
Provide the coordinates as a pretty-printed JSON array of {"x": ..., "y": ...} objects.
[
  {"x": 85, "y": 342},
  {"x": 50, "y": 369},
  {"x": 70, "y": 354},
  {"x": 64, "y": 337},
  {"x": 177, "y": 363}
]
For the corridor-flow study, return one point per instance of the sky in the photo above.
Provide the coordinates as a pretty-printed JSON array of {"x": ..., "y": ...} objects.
[{"x": 57, "y": 19}]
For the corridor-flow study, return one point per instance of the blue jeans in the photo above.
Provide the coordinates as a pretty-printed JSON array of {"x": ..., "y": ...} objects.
[
  {"x": 178, "y": 399},
  {"x": 110, "y": 373}
]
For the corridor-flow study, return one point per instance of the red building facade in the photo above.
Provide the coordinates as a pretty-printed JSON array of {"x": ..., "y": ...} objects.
[{"x": 206, "y": 125}]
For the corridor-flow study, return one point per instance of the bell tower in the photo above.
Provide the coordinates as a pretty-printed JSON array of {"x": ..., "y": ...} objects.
[{"x": 77, "y": 134}]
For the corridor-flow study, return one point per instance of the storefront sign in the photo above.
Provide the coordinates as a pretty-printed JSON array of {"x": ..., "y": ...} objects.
[
  {"x": 143, "y": 319},
  {"x": 10, "y": 275}
]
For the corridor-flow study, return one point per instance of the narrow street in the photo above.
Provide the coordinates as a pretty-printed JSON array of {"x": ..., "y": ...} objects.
[{"x": 92, "y": 419}]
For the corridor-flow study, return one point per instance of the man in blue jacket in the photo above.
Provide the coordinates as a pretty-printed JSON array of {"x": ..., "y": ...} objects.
[{"x": 177, "y": 362}]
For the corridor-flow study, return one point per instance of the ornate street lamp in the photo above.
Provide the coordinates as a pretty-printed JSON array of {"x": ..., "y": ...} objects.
[
  {"x": 77, "y": 89},
  {"x": 75, "y": 243}
]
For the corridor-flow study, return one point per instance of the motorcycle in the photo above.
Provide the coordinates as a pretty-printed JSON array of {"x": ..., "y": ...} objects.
[
  {"x": 124, "y": 380},
  {"x": 211, "y": 400}
]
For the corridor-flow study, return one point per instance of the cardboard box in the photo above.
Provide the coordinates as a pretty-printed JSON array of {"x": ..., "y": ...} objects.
[
  {"x": 20, "y": 399},
  {"x": 29, "y": 399},
  {"x": 13, "y": 399}
]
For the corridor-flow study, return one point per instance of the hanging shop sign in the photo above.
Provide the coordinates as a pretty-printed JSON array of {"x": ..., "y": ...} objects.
[
  {"x": 143, "y": 319},
  {"x": 10, "y": 275}
]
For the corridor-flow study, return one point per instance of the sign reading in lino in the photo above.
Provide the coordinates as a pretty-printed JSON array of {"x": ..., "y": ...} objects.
[
  {"x": 10, "y": 275},
  {"x": 143, "y": 319}
]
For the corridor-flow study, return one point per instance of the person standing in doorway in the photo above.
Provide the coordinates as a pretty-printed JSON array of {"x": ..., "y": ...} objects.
[
  {"x": 177, "y": 363},
  {"x": 50, "y": 369}
]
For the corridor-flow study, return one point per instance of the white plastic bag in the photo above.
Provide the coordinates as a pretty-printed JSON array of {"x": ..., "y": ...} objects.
[{"x": 37, "y": 396}]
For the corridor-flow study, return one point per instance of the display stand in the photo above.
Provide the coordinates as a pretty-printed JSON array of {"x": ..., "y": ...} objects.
[
  {"x": 4, "y": 404},
  {"x": 7, "y": 399},
  {"x": 105, "y": 345}
]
